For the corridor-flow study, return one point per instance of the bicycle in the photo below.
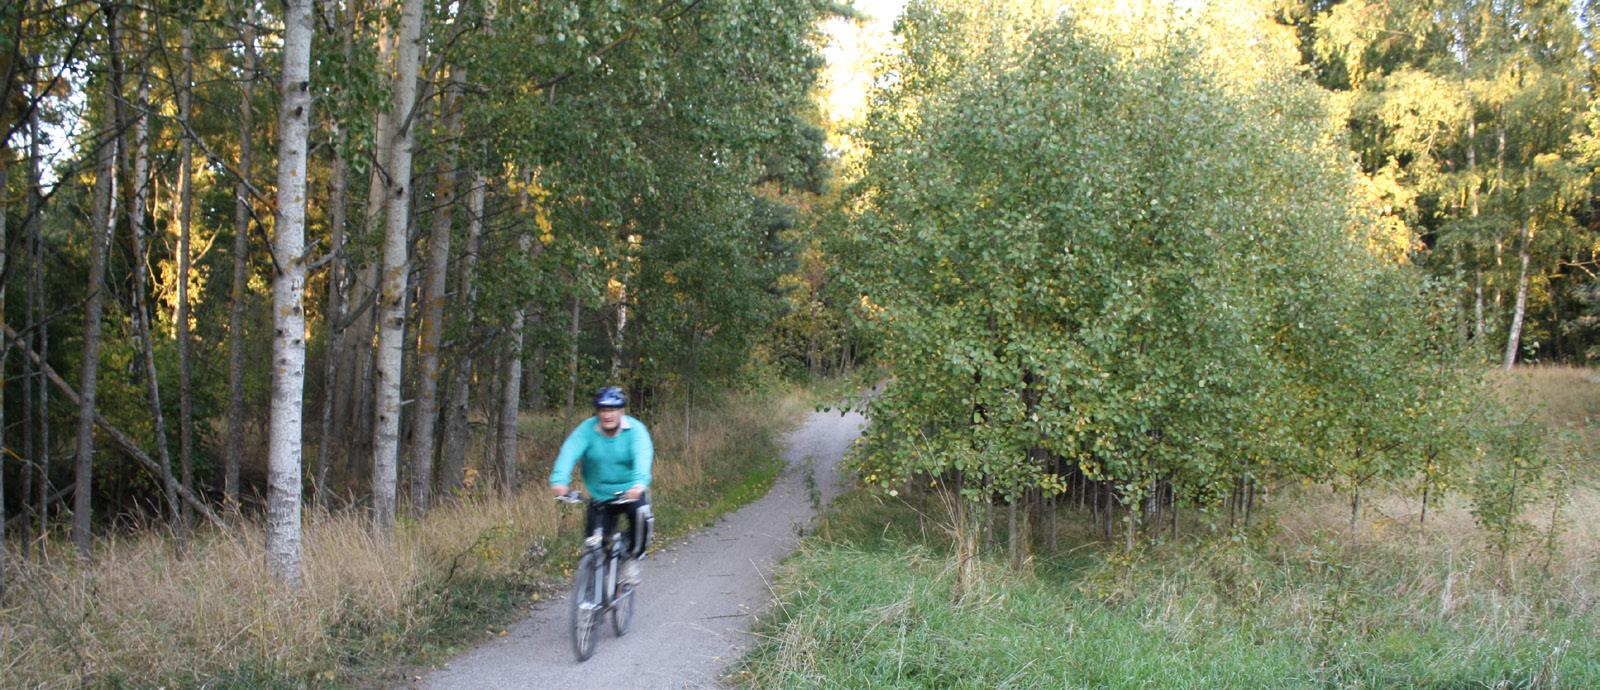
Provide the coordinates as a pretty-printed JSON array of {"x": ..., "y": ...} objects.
[{"x": 595, "y": 587}]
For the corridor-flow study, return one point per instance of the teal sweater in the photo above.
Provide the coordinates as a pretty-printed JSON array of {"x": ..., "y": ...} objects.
[{"x": 610, "y": 465}]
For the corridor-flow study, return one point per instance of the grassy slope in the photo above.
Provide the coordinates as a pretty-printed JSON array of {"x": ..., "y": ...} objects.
[
  {"x": 139, "y": 616},
  {"x": 876, "y": 600}
]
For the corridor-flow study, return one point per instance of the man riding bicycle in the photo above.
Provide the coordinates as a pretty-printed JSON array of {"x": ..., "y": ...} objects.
[{"x": 616, "y": 453}]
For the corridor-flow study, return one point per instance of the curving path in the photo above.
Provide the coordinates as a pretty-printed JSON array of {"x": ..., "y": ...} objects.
[{"x": 698, "y": 600}]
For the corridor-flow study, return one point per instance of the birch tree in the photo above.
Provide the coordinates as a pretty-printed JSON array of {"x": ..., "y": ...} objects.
[
  {"x": 433, "y": 301},
  {"x": 284, "y": 450},
  {"x": 394, "y": 270}
]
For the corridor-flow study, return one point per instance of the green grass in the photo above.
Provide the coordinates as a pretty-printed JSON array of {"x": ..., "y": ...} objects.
[{"x": 876, "y": 601}]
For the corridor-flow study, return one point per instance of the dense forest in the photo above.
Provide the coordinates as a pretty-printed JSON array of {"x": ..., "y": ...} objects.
[{"x": 318, "y": 245}]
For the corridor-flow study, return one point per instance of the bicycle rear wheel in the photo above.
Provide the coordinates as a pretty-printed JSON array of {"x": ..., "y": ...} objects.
[{"x": 586, "y": 605}]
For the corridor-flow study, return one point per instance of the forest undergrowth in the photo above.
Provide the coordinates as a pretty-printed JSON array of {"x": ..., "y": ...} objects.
[
  {"x": 888, "y": 594},
  {"x": 140, "y": 615}
]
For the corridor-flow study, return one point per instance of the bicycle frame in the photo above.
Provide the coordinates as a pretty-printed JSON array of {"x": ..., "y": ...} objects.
[{"x": 595, "y": 590}]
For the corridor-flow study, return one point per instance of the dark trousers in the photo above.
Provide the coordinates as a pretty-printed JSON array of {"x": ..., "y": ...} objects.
[{"x": 641, "y": 522}]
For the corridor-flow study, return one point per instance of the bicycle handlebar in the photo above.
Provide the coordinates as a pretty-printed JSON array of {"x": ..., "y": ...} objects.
[{"x": 576, "y": 496}]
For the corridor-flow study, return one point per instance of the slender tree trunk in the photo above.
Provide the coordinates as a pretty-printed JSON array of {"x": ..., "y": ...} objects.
[
  {"x": 391, "y": 295},
  {"x": 1249, "y": 501},
  {"x": 1013, "y": 535},
  {"x": 1132, "y": 511},
  {"x": 1233, "y": 505},
  {"x": 338, "y": 179},
  {"x": 1105, "y": 513},
  {"x": 491, "y": 443},
  {"x": 572, "y": 354},
  {"x": 1355, "y": 511},
  {"x": 1427, "y": 484},
  {"x": 234, "y": 453},
  {"x": 1477, "y": 267},
  {"x": 288, "y": 294},
  {"x": 1519, "y": 312},
  {"x": 1174, "y": 513},
  {"x": 5, "y": 353},
  {"x": 355, "y": 408},
  {"x": 185, "y": 213},
  {"x": 338, "y": 189},
  {"x": 455, "y": 433},
  {"x": 619, "y": 344},
  {"x": 511, "y": 382},
  {"x": 1499, "y": 240},
  {"x": 1477, "y": 303},
  {"x": 37, "y": 315},
  {"x": 100, "y": 236},
  {"x": 533, "y": 377},
  {"x": 29, "y": 372},
  {"x": 510, "y": 396},
  {"x": 433, "y": 299},
  {"x": 137, "y": 218}
]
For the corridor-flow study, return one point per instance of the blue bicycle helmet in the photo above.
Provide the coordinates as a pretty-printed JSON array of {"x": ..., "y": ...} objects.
[{"x": 611, "y": 396}]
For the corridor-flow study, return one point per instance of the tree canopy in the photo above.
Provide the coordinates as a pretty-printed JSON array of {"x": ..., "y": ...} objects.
[{"x": 1107, "y": 246}]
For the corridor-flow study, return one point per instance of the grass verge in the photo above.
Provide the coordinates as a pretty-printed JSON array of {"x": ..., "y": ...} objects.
[
  {"x": 878, "y": 600},
  {"x": 138, "y": 615}
]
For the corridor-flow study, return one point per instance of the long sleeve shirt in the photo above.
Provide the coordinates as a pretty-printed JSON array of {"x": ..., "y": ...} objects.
[{"x": 611, "y": 465}]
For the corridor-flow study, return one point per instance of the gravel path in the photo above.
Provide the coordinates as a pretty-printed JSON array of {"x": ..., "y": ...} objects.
[{"x": 699, "y": 597}]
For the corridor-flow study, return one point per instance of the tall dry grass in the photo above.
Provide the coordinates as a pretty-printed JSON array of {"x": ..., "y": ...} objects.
[
  {"x": 1564, "y": 398},
  {"x": 139, "y": 614}
]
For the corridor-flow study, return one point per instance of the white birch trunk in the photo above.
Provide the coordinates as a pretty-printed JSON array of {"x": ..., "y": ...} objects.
[
  {"x": 1520, "y": 310},
  {"x": 284, "y": 444},
  {"x": 353, "y": 403},
  {"x": 100, "y": 235},
  {"x": 392, "y": 287},
  {"x": 432, "y": 326}
]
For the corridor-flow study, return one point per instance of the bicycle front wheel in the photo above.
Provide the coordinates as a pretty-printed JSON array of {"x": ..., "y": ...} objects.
[
  {"x": 622, "y": 609},
  {"x": 586, "y": 605}
]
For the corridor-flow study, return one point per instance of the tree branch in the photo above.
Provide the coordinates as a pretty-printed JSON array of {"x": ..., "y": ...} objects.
[{"x": 120, "y": 439}]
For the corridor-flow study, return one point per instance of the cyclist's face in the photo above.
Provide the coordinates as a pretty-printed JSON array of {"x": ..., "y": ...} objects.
[{"x": 610, "y": 419}]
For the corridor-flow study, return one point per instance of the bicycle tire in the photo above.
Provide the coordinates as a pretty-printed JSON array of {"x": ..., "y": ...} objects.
[
  {"x": 586, "y": 605},
  {"x": 622, "y": 609}
]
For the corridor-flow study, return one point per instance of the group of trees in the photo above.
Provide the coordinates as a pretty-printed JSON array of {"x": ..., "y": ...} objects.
[
  {"x": 1124, "y": 257},
  {"x": 361, "y": 220},
  {"x": 1475, "y": 121}
]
